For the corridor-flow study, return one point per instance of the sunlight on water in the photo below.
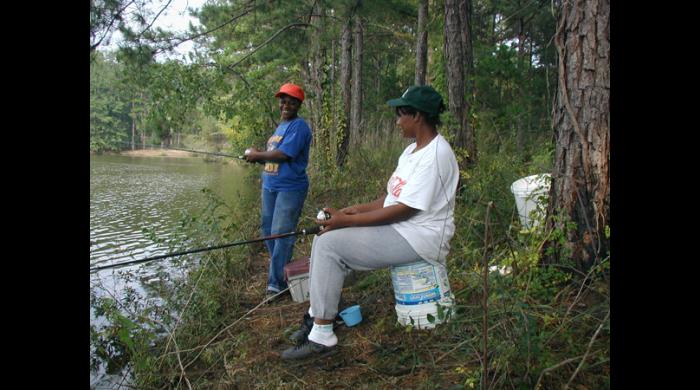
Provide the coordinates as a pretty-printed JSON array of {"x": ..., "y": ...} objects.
[{"x": 129, "y": 194}]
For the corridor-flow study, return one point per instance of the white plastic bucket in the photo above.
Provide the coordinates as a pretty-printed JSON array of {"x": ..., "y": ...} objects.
[
  {"x": 527, "y": 192},
  {"x": 418, "y": 289}
]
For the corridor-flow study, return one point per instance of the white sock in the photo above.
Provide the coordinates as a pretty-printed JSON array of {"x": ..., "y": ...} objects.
[
  {"x": 310, "y": 313},
  {"x": 323, "y": 334}
]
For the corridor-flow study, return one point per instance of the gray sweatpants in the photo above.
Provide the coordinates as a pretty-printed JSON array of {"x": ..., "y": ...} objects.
[{"x": 336, "y": 253}]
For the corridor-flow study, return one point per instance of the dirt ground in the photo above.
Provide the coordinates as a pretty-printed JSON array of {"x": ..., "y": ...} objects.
[{"x": 374, "y": 354}]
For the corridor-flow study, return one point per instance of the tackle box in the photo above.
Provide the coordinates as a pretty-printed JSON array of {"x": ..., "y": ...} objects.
[{"x": 297, "y": 275}]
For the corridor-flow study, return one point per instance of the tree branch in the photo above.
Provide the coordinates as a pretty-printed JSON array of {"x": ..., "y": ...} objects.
[
  {"x": 111, "y": 22},
  {"x": 268, "y": 41},
  {"x": 183, "y": 40},
  {"x": 311, "y": 12},
  {"x": 585, "y": 355},
  {"x": 567, "y": 361},
  {"x": 203, "y": 347},
  {"x": 154, "y": 19},
  {"x": 485, "y": 330},
  {"x": 518, "y": 11}
]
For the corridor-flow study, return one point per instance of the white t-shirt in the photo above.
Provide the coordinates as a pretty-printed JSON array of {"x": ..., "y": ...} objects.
[{"x": 426, "y": 180}]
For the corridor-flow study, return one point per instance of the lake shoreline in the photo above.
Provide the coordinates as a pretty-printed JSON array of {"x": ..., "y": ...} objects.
[
  {"x": 170, "y": 153},
  {"x": 156, "y": 153}
]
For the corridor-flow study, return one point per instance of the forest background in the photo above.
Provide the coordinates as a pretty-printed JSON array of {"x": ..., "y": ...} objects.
[{"x": 500, "y": 65}]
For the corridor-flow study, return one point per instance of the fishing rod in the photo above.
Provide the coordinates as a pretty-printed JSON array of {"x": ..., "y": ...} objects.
[
  {"x": 311, "y": 230},
  {"x": 189, "y": 150}
]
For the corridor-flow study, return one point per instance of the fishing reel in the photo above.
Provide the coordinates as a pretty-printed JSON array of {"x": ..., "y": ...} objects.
[
  {"x": 247, "y": 152},
  {"x": 323, "y": 215}
]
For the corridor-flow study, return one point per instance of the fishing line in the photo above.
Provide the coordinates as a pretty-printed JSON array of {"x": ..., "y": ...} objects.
[
  {"x": 311, "y": 230},
  {"x": 187, "y": 150}
]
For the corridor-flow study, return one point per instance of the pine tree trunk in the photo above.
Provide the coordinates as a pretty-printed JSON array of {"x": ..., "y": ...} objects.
[
  {"x": 422, "y": 43},
  {"x": 133, "y": 127},
  {"x": 143, "y": 130},
  {"x": 581, "y": 183},
  {"x": 519, "y": 128},
  {"x": 455, "y": 56},
  {"x": 168, "y": 137},
  {"x": 493, "y": 30},
  {"x": 333, "y": 105},
  {"x": 316, "y": 75},
  {"x": 465, "y": 13},
  {"x": 356, "y": 100},
  {"x": 345, "y": 69}
]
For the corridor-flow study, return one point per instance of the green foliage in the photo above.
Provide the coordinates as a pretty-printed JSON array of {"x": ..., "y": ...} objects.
[
  {"x": 538, "y": 315},
  {"x": 325, "y": 151},
  {"x": 509, "y": 96},
  {"x": 185, "y": 304},
  {"x": 172, "y": 97},
  {"x": 109, "y": 104}
]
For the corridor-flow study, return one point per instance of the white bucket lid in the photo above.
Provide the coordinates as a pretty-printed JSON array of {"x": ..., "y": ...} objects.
[{"x": 531, "y": 184}]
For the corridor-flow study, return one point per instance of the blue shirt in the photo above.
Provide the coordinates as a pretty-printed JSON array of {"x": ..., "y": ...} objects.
[{"x": 292, "y": 138}]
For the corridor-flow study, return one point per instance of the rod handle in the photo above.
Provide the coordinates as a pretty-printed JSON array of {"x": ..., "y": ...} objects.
[{"x": 311, "y": 230}]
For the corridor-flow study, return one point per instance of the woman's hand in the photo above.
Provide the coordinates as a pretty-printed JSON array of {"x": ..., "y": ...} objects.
[
  {"x": 350, "y": 210},
  {"x": 251, "y": 156},
  {"x": 338, "y": 220},
  {"x": 380, "y": 216}
]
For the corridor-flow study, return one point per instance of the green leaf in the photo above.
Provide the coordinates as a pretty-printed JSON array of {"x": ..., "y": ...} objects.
[{"x": 125, "y": 338}]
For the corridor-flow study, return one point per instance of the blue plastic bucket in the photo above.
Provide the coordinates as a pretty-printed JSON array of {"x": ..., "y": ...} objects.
[{"x": 351, "y": 316}]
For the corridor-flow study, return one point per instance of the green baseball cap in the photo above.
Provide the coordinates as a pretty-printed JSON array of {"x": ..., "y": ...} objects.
[{"x": 421, "y": 97}]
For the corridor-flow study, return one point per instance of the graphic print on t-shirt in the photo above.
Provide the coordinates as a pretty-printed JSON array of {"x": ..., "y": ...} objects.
[
  {"x": 272, "y": 144},
  {"x": 395, "y": 185}
]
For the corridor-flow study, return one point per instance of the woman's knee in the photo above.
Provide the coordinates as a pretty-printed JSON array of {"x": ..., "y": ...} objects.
[{"x": 326, "y": 241}]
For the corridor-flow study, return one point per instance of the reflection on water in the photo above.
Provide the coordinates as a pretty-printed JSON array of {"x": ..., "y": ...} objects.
[{"x": 130, "y": 194}]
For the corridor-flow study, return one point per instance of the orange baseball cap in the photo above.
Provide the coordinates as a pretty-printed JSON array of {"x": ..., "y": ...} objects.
[{"x": 292, "y": 90}]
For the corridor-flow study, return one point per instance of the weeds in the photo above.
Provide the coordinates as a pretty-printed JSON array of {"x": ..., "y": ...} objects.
[{"x": 548, "y": 327}]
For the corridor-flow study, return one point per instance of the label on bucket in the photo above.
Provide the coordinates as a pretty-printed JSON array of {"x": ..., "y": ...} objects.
[{"x": 415, "y": 283}]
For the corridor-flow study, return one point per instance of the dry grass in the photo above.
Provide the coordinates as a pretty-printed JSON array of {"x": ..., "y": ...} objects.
[{"x": 374, "y": 354}]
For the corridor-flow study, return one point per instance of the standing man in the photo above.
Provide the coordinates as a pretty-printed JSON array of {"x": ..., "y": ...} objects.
[{"x": 284, "y": 181}]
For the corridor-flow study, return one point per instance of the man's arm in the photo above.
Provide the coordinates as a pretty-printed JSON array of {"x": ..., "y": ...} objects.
[{"x": 271, "y": 156}]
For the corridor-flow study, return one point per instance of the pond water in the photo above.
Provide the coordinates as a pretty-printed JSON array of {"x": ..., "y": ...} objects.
[{"x": 130, "y": 194}]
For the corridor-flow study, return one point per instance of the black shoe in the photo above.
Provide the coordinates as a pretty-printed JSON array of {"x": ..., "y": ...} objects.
[
  {"x": 272, "y": 296},
  {"x": 306, "y": 350},
  {"x": 300, "y": 335}
]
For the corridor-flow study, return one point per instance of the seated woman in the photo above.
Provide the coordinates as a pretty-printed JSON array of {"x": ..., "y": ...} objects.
[{"x": 412, "y": 222}]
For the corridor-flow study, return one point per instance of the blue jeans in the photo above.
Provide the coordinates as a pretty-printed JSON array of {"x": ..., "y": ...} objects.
[{"x": 280, "y": 214}]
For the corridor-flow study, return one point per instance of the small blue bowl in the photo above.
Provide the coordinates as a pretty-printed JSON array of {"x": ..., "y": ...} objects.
[{"x": 351, "y": 316}]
